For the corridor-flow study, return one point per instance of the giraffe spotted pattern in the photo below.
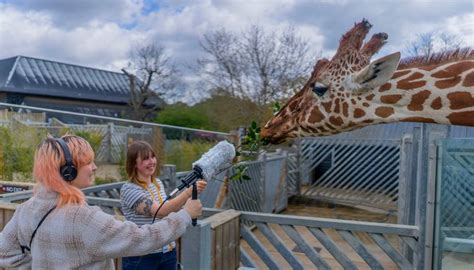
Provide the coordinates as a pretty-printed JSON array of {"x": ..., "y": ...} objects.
[{"x": 349, "y": 92}]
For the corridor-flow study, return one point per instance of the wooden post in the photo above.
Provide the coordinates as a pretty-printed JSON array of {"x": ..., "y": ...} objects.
[
  {"x": 213, "y": 244},
  {"x": 6, "y": 213},
  {"x": 196, "y": 247}
]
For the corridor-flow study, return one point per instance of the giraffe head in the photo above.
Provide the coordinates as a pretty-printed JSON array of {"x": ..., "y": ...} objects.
[{"x": 322, "y": 107}]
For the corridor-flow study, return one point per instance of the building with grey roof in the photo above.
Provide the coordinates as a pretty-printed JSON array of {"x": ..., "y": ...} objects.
[{"x": 54, "y": 85}]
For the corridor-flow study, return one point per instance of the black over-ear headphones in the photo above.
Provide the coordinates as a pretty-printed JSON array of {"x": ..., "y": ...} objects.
[{"x": 68, "y": 171}]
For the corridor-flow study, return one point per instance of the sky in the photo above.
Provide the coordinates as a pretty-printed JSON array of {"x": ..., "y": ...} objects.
[{"x": 100, "y": 33}]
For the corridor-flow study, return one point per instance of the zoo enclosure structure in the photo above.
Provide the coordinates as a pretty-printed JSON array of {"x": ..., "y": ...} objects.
[
  {"x": 268, "y": 240},
  {"x": 273, "y": 241}
]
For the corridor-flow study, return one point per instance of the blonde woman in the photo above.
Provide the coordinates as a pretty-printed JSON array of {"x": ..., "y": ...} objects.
[
  {"x": 142, "y": 197},
  {"x": 56, "y": 229}
]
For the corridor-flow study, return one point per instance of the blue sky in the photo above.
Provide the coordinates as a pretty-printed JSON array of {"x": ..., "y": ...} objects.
[{"x": 99, "y": 33}]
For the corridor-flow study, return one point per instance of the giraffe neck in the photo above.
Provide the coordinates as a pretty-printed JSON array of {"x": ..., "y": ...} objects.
[{"x": 434, "y": 94}]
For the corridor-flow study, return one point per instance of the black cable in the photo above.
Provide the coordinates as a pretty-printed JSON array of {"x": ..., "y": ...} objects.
[
  {"x": 186, "y": 182},
  {"x": 153, "y": 221},
  {"x": 157, "y": 210}
]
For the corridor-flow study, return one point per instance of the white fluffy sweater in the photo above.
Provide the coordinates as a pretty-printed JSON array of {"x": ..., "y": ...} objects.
[{"x": 79, "y": 237}]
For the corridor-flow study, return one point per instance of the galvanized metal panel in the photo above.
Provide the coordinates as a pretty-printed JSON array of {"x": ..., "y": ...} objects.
[
  {"x": 279, "y": 245},
  {"x": 259, "y": 248},
  {"x": 329, "y": 244},
  {"x": 315, "y": 258},
  {"x": 372, "y": 227},
  {"x": 362, "y": 171},
  {"x": 360, "y": 248},
  {"x": 246, "y": 259},
  {"x": 401, "y": 261}
]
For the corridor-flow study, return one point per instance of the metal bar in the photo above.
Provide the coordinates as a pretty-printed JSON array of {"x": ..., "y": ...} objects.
[
  {"x": 360, "y": 248},
  {"x": 258, "y": 247},
  {"x": 109, "y": 118},
  {"x": 370, "y": 166},
  {"x": 246, "y": 260},
  {"x": 334, "y": 177},
  {"x": 279, "y": 245},
  {"x": 306, "y": 248},
  {"x": 371, "y": 227},
  {"x": 329, "y": 244},
  {"x": 396, "y": 257},
  {"x": 410, "y": 242},
  {"x": 364, "y": 164},
  {"x": 354, "y": 166}
]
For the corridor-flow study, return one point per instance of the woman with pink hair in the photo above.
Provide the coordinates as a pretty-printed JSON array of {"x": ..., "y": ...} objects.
[{"x": 56, "y": 229}]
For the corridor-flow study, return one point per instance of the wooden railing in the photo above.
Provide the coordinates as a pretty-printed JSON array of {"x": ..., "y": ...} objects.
[
  {"x": 6, "y": 213},
  {"x": 291, "y": 242},
  {"x": 221, "y": 241},
  {"x": 213, "y": 244}
]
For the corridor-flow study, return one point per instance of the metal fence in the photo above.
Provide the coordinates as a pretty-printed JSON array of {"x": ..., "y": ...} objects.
[
  {"x": 173, "y": 144},
  {"x": 455, "y": 207},
  {"x": 355, "y": 172},
  {"x": 290, "y": 242}
]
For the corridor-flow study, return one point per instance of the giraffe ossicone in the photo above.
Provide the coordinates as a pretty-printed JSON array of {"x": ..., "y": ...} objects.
[{"x": 350, "y": 92}]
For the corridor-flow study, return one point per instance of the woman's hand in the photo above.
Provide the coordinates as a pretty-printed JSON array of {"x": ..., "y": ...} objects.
[
  {"x": 201, "y": 185},
  {"x": 193, "y": 207}
]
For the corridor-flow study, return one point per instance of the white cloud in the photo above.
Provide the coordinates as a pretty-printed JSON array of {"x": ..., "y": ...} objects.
[
  {"x": 99, "y": 33},
  {"x": 462, "y": 26},
  {"x": 32, "y": 33},
  {"x": 72, "y": 13}
]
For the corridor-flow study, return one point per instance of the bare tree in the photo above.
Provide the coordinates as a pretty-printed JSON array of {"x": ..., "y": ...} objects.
[
  {"x": 151, "y": 76},
  {"x": 255, "y": 64},
  {"x": 449, "y": 42},
  {"x": 426, "y": 44}
]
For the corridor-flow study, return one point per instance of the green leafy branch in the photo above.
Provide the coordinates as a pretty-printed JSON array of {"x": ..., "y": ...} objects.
[{"x": 251, "y": 144}]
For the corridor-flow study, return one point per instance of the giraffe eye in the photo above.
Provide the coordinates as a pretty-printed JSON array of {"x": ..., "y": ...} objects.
[{"x": 319, "y": 89}]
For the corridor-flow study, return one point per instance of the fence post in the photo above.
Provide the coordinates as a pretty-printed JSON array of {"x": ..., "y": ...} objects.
[
  {"x": 6, "y": 213},
  {"x": 426, "y": 180},
  {"x": 299, "y": 166},
  {"x": 263, "y": 166},
  {"x": 196, "y": 247},
  {"x": 213, "y": 244},
  {"x": 110, "y": 127},
  {"x": 406, "y": 186},
  {"x": 169, "y": 173}
]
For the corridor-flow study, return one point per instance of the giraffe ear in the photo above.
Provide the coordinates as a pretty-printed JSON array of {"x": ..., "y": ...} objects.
[{"x": 375, "y": 74}]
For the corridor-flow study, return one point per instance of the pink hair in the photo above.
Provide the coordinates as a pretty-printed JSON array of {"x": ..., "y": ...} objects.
[{"x": 49, "y": 157}]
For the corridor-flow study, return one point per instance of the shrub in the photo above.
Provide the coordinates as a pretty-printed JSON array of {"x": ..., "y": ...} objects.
[
  {"x": 17, "y": 149},
  {"x": 184, "y": 153}
]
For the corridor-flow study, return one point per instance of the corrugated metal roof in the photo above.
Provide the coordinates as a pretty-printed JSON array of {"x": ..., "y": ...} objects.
[{"x": 29, "y": 75}]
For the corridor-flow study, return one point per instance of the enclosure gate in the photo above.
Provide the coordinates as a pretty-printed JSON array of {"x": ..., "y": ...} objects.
[
  {"x": 355, "y": 172},
  {"x": 455, "y": 208}
]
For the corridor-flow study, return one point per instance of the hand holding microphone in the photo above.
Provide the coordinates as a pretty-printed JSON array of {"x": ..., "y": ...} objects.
[
  {"x": 218, "y": 156},
  {"x": 201, "y": 186},
  {"x": 193, "y": 207}
]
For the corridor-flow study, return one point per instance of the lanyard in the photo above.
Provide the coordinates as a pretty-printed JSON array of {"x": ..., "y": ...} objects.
[
  {"x": 23, "y": 248},
  {"x": 157, "y": 187}
]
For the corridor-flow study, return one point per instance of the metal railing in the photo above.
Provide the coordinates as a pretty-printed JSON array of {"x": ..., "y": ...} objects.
[{"x": 357, "y": 172}]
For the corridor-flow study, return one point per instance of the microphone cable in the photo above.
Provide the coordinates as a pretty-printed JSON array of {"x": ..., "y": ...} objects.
[{"x": 152, "y": 222}]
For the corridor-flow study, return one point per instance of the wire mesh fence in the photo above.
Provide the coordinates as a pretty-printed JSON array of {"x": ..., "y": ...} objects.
[{"x": 22, "y": 128}]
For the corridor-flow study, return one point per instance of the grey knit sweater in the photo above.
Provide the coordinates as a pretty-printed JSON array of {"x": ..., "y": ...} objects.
[{"x": 79, "y": 237}]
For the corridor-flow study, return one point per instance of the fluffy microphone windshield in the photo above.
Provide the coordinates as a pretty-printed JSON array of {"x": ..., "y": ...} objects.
[{"x": 221, "y": 154}]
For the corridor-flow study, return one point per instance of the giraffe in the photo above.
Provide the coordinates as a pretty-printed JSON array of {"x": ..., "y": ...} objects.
[{"x": 348, "y": 92}]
